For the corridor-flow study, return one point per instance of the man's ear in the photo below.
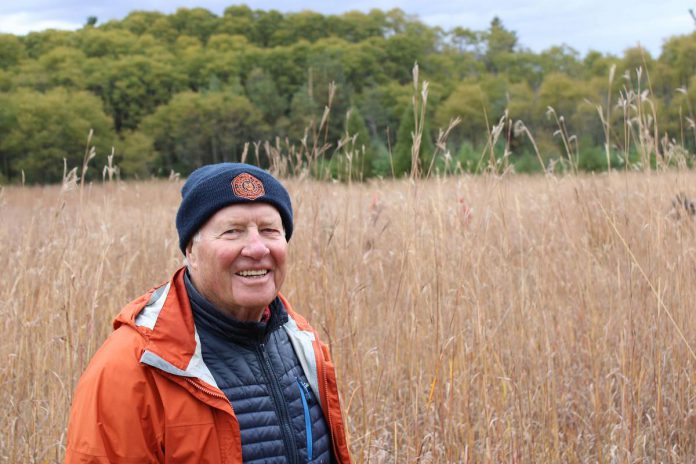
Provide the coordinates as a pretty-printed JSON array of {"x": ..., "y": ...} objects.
[{"x": 190, "y": 255}]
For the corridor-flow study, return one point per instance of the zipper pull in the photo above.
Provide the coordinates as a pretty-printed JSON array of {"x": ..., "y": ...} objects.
[{"x": 307, "y": 390}]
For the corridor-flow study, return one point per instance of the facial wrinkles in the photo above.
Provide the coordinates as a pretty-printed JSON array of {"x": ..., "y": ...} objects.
[
  {"x": 237, "y": 251},
  {"x": 254, "y": 239},
  {"x": 243, "y": 228}
]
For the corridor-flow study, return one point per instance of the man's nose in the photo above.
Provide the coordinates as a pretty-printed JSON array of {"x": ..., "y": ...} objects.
[{"x": 255, "y": 246}]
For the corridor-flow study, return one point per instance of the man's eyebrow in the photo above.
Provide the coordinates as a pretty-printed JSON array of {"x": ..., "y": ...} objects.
[
  {"x": 226, "y": 224},
  {"x": 262, "y": 221},
  {"x": 270, "y": 222},
  {"x": 231, "y": 222}
]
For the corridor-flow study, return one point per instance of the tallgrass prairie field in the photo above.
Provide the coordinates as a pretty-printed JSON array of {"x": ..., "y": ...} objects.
[{"x": 472, "y": 318}]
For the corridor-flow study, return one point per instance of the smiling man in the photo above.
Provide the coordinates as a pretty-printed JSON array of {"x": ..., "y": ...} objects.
[{"x": 214, "y": 366}]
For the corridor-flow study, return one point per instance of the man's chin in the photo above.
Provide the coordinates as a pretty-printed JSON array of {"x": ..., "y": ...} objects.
[{"x": 256, "y": 299}]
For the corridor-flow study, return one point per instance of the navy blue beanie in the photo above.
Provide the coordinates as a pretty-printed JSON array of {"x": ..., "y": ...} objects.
[{"x": 215, "y": 186}]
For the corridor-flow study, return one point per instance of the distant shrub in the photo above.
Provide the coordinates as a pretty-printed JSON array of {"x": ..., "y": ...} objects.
[{"x": 527, "y": 163}]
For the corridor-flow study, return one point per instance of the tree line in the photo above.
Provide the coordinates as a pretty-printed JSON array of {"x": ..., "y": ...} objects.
[{"x": 168, "y": 93}]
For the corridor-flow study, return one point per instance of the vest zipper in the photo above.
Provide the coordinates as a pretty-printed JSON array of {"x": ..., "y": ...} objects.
[{"x": 280, "y": 404}]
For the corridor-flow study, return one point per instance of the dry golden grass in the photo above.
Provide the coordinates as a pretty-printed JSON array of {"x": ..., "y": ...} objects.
[{"x": 473, "y": 319}]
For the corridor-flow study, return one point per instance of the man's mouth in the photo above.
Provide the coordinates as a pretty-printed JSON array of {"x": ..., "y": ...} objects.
[{"x": 253, "y": 273}]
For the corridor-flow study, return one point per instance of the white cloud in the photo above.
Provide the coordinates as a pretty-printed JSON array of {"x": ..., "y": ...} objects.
[{"x": 23, "y": 23}]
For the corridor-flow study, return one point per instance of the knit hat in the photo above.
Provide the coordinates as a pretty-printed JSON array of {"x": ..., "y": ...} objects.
[{"x": 215, "y": 186}]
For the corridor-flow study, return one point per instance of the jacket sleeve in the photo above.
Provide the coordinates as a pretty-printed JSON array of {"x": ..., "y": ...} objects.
[
  {"x": 333, "y": 403},
  {"x": 116, "y": 414}
]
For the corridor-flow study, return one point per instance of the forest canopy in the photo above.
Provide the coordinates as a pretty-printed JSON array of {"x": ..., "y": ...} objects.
[{"x": 171, "y": 92}]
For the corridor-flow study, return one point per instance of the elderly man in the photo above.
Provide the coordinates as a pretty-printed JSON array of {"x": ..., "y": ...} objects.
[{"x": 214, "y": 366}]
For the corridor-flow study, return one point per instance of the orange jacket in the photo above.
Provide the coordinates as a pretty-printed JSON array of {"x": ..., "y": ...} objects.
[{"x": 144, "y": 397}]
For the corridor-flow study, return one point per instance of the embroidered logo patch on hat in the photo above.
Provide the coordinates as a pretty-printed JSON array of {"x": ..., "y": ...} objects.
[{"x": 247, "y": 186}]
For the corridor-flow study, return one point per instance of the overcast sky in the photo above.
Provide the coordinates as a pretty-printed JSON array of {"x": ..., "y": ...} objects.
[{"x": 609, "y": 26}]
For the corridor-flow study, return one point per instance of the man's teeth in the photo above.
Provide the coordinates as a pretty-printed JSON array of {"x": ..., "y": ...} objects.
[{"x": 253, "y": 273}]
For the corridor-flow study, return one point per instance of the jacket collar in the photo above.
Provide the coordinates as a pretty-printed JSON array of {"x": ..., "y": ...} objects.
[{"x": 164, "y": 318}]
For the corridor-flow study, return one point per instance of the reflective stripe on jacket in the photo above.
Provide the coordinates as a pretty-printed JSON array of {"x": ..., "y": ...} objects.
[{"x": 148, "y": 397}]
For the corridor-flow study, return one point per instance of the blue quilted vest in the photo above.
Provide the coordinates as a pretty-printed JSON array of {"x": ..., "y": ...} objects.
[{"x": 255, "y": 365}]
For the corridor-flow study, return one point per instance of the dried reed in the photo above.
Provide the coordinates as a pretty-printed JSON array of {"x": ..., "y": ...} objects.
[{"x": 473, "y": 319}]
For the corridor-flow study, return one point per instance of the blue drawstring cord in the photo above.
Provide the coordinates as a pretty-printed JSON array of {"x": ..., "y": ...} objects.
[{"x": 304, "y": 394}]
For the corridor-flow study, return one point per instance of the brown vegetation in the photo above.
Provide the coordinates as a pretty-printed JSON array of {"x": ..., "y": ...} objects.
[{"x": 473, "y": 319}]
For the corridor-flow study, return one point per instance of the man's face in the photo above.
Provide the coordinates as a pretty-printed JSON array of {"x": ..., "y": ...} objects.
[{"x": 237, "y": 259}]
